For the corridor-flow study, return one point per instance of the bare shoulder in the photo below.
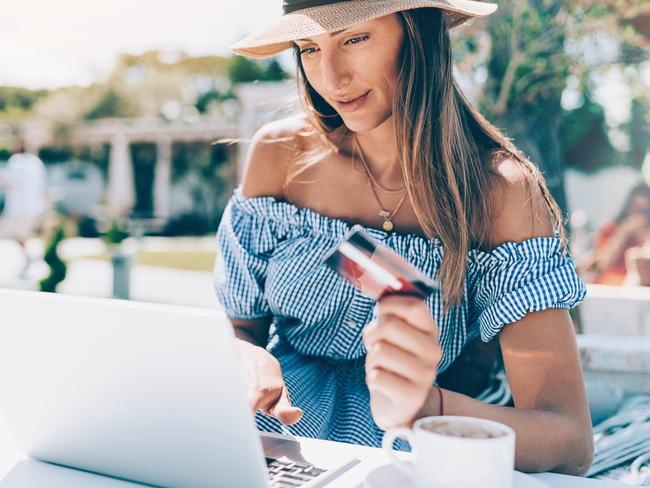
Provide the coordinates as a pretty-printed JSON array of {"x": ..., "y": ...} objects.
[
  {"x": 273, "y": 147},
  {"x": 519, "y": 209}
]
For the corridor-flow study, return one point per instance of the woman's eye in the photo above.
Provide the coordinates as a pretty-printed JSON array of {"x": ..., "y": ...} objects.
[
  {"x": 354, "y": 40},
  {"x": 357, "y": 40}
]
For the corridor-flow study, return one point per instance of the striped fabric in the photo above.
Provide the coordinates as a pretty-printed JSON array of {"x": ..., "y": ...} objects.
[{"x": 269, "y": 264}]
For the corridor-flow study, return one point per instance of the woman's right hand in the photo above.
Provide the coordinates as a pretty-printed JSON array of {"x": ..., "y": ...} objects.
[{"x": 267, "y": 391}]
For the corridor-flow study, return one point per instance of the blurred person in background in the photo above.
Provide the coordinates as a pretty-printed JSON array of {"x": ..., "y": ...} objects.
[
  {"x": 24, "y": 182},
  {"x": 607, "y": 264}
]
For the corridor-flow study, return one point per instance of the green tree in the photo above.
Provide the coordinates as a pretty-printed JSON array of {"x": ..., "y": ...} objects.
[
  {"x": 583, "y": 136},
  {"x": 275, "y": 71},
  {"x": 527, "y": 72},
  {"x": 528, "y": 52},
  {"x": 244, "y": 70},
  {"x": 19, "y": 98},
  {"x": 111, "y": 104}
]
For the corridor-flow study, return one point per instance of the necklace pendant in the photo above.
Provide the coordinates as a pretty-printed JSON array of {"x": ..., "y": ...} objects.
[
  {"x": 384, "y": 214},
  {"x": 388, "y": 226}
]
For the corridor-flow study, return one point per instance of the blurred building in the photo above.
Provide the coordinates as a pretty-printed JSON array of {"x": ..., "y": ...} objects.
[{"x": 82, "y": 188}]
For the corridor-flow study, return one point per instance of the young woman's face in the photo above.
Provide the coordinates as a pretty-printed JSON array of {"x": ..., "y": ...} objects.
[{"x": 359, "y": 66}]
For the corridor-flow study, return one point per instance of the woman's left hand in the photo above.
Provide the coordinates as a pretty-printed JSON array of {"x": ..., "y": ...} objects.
[{"x": 403, "y": 353}]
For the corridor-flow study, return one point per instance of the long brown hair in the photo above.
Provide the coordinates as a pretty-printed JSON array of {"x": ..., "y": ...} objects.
[{"x": 447, "y": 147}]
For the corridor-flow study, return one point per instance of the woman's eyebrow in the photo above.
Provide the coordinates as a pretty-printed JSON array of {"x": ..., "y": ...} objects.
[{"x": 331, "y": 34}]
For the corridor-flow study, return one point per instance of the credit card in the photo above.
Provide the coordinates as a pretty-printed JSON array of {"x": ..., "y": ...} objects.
[{"x": 375, "y": 269}]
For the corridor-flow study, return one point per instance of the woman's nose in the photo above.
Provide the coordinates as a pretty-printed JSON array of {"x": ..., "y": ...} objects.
[{"x": 336, "y": 75}]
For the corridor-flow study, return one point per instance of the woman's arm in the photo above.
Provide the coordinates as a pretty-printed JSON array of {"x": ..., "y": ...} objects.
[{"x": 550, "y": 417}]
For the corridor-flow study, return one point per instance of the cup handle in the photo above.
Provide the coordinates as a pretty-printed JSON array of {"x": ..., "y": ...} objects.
[{"x": 387, "y": 444}]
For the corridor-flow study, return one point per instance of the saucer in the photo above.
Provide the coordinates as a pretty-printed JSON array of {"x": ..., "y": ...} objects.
[{"x": 389, "y": 476}]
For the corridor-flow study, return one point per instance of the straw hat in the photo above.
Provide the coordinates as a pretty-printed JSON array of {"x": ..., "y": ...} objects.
[{"x": 307, "y": 18}]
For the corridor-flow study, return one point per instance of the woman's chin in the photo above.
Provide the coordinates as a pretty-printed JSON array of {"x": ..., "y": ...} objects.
[{"x": 361, "y": 122}]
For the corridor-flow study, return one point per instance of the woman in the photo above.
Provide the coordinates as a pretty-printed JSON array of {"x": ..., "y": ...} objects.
[{"x": 389, "y": 142}]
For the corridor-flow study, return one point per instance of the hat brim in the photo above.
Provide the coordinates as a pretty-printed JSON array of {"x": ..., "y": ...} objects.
[{"x": 314, "y": 21}]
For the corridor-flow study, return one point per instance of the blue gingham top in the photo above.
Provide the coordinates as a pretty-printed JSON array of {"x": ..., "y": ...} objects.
[{"x": 269, "y": 264}]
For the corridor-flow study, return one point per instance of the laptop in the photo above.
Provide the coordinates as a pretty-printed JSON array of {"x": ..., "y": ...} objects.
[{"x": 142, "y": 392}]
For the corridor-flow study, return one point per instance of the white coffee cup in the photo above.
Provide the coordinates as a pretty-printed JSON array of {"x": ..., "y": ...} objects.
[{"x": 484, "y": 457}]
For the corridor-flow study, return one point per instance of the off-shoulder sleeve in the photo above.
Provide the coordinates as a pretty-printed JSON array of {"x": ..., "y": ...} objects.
[
  {"x": 245, "y": 241},
  {"x": 516, "y": 278}
]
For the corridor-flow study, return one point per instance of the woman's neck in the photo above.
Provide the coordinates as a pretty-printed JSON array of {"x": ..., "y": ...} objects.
[{"x": 379, "y": 148}]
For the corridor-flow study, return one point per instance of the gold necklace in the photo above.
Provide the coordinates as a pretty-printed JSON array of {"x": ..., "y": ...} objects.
[
  {"x": 385, "y": 214},
  {"x": 369, "y": 173}
]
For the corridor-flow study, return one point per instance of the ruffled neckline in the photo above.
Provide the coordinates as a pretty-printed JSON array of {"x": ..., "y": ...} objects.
[
  {"x": 294, "y": 221},
  {"x": 320, "y": 223}
]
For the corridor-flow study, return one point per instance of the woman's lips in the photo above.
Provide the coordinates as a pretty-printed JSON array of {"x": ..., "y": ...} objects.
[{"x": 353, "y": 104}]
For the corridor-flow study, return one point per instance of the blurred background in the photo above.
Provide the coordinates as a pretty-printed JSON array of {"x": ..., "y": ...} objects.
[
  {"x": 124, "y": 127},
  {"x": 115, "y": 108}
]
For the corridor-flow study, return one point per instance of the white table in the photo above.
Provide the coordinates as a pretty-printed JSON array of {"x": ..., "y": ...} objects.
[{"x": 370, "y": 458}]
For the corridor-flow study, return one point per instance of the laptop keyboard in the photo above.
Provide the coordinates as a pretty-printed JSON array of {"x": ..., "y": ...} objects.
[{"x": 284, "y": 473}]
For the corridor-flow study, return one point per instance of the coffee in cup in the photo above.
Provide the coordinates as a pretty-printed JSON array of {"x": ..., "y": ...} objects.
[
  {"x": 468, "y": 430},
  {"x": 456, "y": 452}
]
